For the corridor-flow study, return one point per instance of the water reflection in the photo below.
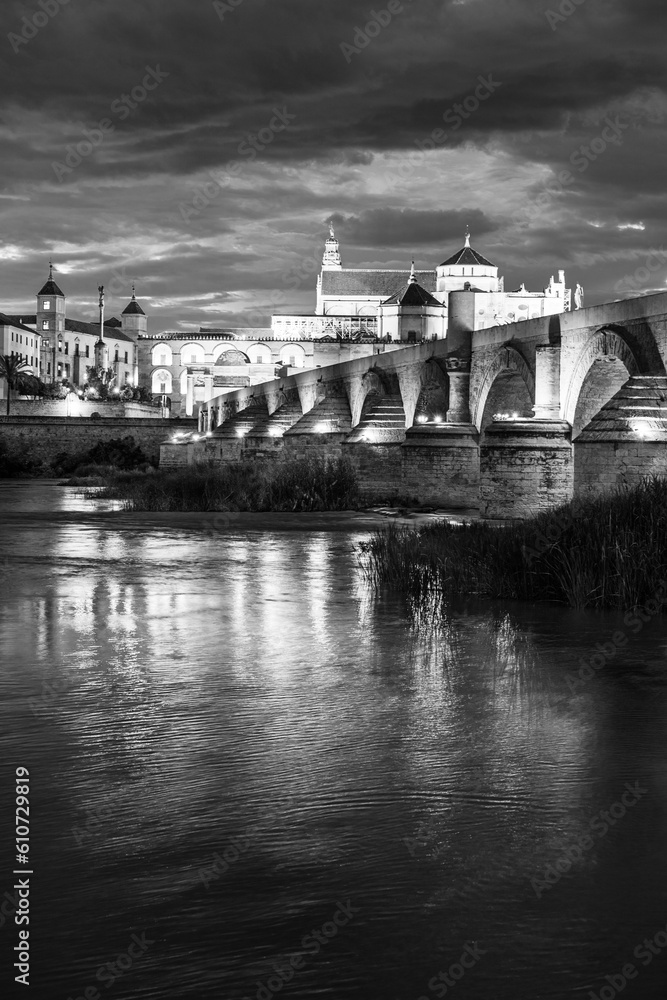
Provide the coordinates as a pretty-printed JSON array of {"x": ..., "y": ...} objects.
[{"x": 169, "y": 688}]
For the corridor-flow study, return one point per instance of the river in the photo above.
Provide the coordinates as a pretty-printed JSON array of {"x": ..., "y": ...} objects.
[{"x": 242, "y": 762}]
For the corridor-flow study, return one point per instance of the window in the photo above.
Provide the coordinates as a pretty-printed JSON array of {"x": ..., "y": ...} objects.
[
  {"x": 46, "y": 304},
  {"x": 163, "y": 387},
  {"x": 115, "y": 357},
  {"x": 60, "y": 346},
  {"x": 67, "y": 347},
  {"x": 193, "y": 359},
  {"x": 125, "y": 357},
  {"x": 48, "y": 367},
  {"x": 162, "y": 355},
  {"x": 87, "y": 350},
  {"x": 76, "y": 350}
]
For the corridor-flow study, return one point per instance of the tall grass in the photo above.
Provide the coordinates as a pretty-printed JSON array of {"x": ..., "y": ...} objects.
[
  {"x": 608, "y": 552},
  {"x": 294, "y": 485}
]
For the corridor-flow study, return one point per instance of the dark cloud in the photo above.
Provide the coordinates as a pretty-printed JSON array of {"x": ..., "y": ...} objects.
[{"x": 161, "y": 193}]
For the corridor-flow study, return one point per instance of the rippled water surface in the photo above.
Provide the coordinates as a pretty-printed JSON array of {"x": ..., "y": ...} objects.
[{"x": 191, "y": 692}]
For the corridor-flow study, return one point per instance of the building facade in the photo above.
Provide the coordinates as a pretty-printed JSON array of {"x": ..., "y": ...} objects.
[
  {"x": 67, "y": 347},
  {"x": 354, "y": 295},
  {"x": 190, "y": 368}
]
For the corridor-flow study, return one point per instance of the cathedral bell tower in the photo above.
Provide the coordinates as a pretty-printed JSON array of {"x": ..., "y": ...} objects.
[{"x": 331, "y": 257}]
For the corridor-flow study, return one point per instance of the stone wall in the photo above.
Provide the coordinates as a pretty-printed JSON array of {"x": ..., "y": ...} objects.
[
  {"x": 604, "y": 466},
  {"x": 84, "y": 408},
  {"x": 42, "y": 438},
  {"x": 525, "y": 468}
]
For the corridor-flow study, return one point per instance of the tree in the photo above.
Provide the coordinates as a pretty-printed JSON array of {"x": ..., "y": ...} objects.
[
  {"x": 12, "y": 368},
  {"x": 100, "y": 382}
]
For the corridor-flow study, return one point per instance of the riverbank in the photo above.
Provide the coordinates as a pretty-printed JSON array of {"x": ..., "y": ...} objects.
[{"x": 609, "y": 552}]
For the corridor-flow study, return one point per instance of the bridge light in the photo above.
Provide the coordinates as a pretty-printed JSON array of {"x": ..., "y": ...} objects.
[
  {"x": 437, "y": 419},
  {"x": 422, "y": 419},
  {"x": 321, "y": 428},
  {"x": 641, "y": 428}
]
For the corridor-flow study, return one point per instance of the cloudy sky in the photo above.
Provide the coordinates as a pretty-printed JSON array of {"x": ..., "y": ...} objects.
[{"x": 201, "y": 148}]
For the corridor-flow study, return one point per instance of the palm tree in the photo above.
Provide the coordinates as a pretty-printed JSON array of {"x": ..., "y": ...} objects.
[{"x": 11, "y": 369}]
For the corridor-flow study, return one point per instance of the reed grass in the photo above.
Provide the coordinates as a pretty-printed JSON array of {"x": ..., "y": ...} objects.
[
  {"x": 607, "y": 552},
  {"x": 293, "y": 485}
]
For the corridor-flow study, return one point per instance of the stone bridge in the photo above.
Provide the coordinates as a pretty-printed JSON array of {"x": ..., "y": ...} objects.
[{"x": 512, "y": 419}]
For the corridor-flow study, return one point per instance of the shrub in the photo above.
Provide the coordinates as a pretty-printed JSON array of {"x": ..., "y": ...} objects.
[
  {"x": 292, "y": 485},
  {"x": 120, "y": 453},
  {"x": 15, "y": 462}
]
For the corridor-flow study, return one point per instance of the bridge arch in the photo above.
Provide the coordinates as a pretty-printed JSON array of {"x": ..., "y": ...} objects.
[
  {"x": 507, "y": 385},
  {"x": 603, "y": 366},
  {"x": 433, "y": 400}
]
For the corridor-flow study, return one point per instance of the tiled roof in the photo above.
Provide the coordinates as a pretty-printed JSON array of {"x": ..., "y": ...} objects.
[
  {"x": 413, "y": 295},
  {"x": 133, "y": 309},
  {"x": 50, "y": 288},
  {"x": 379, "y": 284},
  {"x": 469, "y": 257},
  {"x": 112, "y": 329},
  {"x": 15, "y": 321}
]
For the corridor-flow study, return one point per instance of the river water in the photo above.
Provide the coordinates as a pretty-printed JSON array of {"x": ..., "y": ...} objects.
[{"x": 233, "y": 744}]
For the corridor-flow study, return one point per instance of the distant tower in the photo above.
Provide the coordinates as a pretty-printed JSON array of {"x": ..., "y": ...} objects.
[
  {"x": 50, "y": 310},
  {"x": 331, "y": 257},
  {"x": 134, "y": 318}
]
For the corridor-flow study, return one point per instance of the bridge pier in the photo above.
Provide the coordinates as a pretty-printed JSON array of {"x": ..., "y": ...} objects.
[
  {"x": 441, "y": 464},
  {"x": 526, "y": 467}
]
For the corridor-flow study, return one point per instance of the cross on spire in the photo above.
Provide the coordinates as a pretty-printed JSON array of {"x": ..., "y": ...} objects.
[
  {"x": 467, "y": 236},
  {"x": 412, "y": 277}
]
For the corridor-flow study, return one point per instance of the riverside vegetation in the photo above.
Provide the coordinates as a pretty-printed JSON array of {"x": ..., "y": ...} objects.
[
  {"x": 607, "y": 552},
  {"x": 314, "y": 484}
]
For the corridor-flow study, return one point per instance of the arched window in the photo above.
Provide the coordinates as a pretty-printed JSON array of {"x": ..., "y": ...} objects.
[
  {"x": 293, "y": 355},
  {"x": 192, "y": 354},
  {"x": 161, "y": 355},
  {"x": 259, "y": 354},
  {"x": 161, "y": 382}
]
